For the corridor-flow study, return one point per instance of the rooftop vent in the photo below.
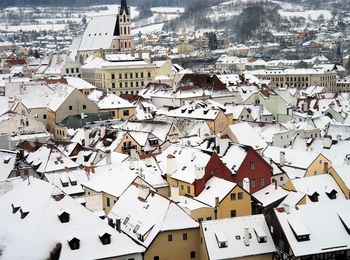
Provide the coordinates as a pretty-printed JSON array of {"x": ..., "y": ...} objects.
[{"x": 105, "y": 238}]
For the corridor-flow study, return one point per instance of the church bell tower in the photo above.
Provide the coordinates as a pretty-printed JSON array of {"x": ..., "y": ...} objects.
[{"x": 126, "y": 39}]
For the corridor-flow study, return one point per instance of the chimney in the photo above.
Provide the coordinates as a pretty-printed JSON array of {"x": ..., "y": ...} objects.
[
  {"x": 103, "y": 131},
  {"x": 217, "y": 202},
  {"x": 140, "y": 54},
  {"x": 170, "y": 165},
  {"x": 117, "y": 225},
  {"x": 108, "y": 157},
  {"x": 174, "y": 193},
  {"x": 193, "y": 156},
  {"x": 282, "y": 157},
  {"x": 131, "y": 164},
  {"x": 87, "y": 136},
  {"x": 246, "y": 184},
  {"x": 286, "y": 208},
  {"x": 143, "y": 192},
  {"x": 199, "y": 172},
  {"x": 246, "y": 236},
  {"x": 148, "y": 162}
]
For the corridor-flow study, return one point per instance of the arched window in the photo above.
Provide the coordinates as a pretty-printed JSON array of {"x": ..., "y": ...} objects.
[
  {"x": 126, "y": 45},
  {"x": 125, "y": 30}
]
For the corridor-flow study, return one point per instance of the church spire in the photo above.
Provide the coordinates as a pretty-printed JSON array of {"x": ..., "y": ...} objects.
[{"x": 124, "y": 7}]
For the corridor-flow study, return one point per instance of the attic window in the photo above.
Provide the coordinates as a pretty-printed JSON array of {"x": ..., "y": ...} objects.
[
  {"x": 221, "y": 239},
  {"x": 105, "y": 238},
  {"x": 15, "y": 208},
  {"x": 74, "y": 243},
  {"x": 24, "y": 213},
  {"x": 260, "y": 234},
  {"x": 64, "y": 216}
]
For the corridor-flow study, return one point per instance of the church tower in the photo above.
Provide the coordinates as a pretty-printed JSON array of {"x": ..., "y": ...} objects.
[{"x": 126, "y": 39}]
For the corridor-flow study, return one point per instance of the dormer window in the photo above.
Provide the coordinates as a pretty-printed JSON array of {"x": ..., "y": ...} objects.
[
  {"x": 7, "y": 159},
  {"x": 64, "y": 181},
  {"x": 24, "y": 213},
  {"x": 299, "y": 230},
  {"x": 314, "y": 197},
  {"x": 260, "y": 234},
  {"x": 15, "y": 208},
  {"x": 73, "y": 180},
  {"x": 105, "y": 238},
  {"x": 221, "y": 239},
  {"x": 64, "y": 216},
  {"x": 332, "y": 194},
  {"x": 74, "y": 243}
]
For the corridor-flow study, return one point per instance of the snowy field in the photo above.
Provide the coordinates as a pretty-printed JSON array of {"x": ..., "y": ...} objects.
[{"x": 309, "y": 15}]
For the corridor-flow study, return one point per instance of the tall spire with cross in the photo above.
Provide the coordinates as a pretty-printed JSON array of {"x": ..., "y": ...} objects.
[{"x": 124, "y": 7}]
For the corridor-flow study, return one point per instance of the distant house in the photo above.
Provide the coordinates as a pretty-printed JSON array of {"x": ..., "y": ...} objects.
[
  {"x": 68, "y": 101},
  {"x": 238, "y": 238},
  {"x": 298, "y": 234}
]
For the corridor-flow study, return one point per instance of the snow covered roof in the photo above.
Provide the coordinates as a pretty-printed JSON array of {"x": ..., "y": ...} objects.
[
  {"x": 245, "y": 134},
  {"x": 28, "y": 237},
  {"x": 322, "y": 184},
  {"x": 270, "y": 194},
  {"x": 99, "y": 33},
  {"x": 7, "y": 163},
  {"x": 79, "y": 83},
  {"x": 150, "y": 214},
  {"x": 112, "y": 101},
  {"x": 61, "y": 94},
  {"x": 186, "y": 161},
  {"x": 293, "y": 158},
  {"x": 215, "y": 188},
  {"x": 225, "y": 238},
  {"x": 326, "y": 232}
]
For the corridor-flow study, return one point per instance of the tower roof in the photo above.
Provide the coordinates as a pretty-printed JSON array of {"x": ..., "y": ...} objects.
[{"x": 124, "y": 6}]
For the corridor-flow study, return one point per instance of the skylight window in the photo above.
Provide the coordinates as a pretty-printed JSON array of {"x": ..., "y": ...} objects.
[{"x": 126, "y": 220}]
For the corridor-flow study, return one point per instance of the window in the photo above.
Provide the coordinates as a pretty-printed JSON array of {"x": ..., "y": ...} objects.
[
  {"x": 200, "y": 220},
  {"x": 170, "y": 237},
  {"x": 188, "y": 189},
  {"x": 208, "y": 218},
  {"x": 44, "y": 116},
  {"x": 233, "y": 196},
  {"x": 182, "y": 187},
  {"x": 262, "y": 182},
  {"x": 141, "y": 74},
  {"x": 113, "y": 85},
  {"x": 136, "y": 75},
  {"x": 84, "y": 106},
  {"x": 120, "y": 85},
  {"x": 193, "y": 254},
  {"x": 252, "y": 183},
  {"x": 240, "y": 195},
  {"x": 131, "y": 84},
  {"x": 72, "y": 70},
  {"x": 113, "y": 76},
  {"x": 67, "y": 70},
  {"x": 252, "y": 166},
  {"x": 149, "y": 74},
  {"x": 233, "y": 213},
  {"x": 156, "y": 258},
  {"x": 125, "y": 112},
  {"x": 70, "y": 108},
  {"x": 131, "y": 75},
  {"x": 77, "y": 70},
  {"x": 108, "y": 203},
  {"x": 125, "y": 76},
  {"x": 184, "y": 236},
  {"x": 320, "y": 161}
]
